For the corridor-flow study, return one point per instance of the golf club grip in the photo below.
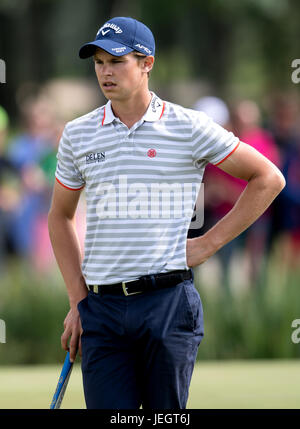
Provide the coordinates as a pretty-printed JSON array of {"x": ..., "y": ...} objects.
[{"x": 62, "y": 383}]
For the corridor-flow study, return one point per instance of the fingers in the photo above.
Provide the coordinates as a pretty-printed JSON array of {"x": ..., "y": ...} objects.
[
  {"x": 73, "y": 348},
  {"x": 70, "y": 339},
  {"x": 64, "y": 340},
  {"x": 79, "y": 347}
]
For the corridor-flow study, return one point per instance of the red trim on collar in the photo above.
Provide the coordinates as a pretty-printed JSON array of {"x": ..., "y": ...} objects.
[
  {"x": 163, "y": 109},
  {"x": 103, "y": 117}
]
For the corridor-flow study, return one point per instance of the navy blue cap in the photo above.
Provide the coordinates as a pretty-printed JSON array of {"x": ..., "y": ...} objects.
[{"x": 119, "y": 36}]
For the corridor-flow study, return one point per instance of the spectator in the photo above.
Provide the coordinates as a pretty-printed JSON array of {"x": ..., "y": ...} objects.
[
  {"x": 246, "y": 121},
  {"x": 26, "y": 152},
  {"x": 286, "y": 225},
  {"x": 220, "y": 189},
  {"x": 284, "y": 124},
  {"x": 290, "y": 205},
  {"x": 9, "y": 193}
]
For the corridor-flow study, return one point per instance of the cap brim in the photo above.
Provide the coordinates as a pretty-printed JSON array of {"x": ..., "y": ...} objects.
[{"x": 109, "y": 46}]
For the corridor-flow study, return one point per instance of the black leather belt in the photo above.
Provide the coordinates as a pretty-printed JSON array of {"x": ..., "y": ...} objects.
[{"x": 144, "y": 283}]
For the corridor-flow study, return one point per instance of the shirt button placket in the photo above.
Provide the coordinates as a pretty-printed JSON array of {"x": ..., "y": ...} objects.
[
  {"x": 123, "y": 138},
  {"x": 128, "y": 142}
]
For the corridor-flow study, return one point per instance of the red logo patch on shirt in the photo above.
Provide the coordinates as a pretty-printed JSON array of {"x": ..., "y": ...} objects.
[{"x": 151, "y": 153}]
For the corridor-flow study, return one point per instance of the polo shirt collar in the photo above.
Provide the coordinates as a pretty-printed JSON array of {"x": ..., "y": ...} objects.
[
  {"x": 108, "y": 114},
  {"x": 155, "y": 109},
  {"x": 153, "y": 113}
]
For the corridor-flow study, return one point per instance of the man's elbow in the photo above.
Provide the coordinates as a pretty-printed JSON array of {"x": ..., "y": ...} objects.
[
  {"x": 277, "y": 181},
  {"x": 271, "y": 180}
]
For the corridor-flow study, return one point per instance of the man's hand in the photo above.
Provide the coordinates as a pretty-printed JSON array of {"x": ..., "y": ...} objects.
[
  {"x": 72, "y": 330},
  {"x": 198, "y": 251}
]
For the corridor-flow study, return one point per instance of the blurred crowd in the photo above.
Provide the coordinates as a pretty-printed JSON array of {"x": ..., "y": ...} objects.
[
  {"x": 276, "y": 135},
  {"x": 28, "y": 162},
  {"x": 27, "y": 165}
]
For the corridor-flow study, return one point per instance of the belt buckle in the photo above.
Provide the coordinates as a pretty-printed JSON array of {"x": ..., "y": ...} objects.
[{"x": 124, "y": 287}]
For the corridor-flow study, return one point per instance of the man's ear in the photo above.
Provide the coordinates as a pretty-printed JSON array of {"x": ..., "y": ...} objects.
[{"x": 148, "y": 63}]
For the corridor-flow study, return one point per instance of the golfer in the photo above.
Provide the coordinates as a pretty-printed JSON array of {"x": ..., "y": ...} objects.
[{"x": 135, "y": 315}]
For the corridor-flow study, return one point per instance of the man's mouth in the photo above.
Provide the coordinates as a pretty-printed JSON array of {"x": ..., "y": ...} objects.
[{"x": 109, "y": 85}]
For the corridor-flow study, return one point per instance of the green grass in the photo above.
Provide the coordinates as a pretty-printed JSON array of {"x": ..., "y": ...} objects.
[{"x": 217, "y": 384}]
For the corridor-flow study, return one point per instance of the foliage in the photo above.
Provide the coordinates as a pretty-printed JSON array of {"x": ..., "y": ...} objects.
[
  {"x": 235, "y": 48},
  {"x": 33, "y": 309},
  {"x": 252, "y": 323}
]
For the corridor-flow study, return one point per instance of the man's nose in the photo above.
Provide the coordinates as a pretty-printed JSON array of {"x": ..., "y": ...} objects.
[{"x": 106, "y": 70}]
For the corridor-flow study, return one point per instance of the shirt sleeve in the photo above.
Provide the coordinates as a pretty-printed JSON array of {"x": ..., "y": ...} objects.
[
  {"x": 67, "y": 173},
  {"x": 211, "y": 142}
]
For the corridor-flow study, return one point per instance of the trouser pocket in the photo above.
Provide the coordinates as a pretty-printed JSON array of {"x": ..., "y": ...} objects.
[{"x": 194, "y": 307}]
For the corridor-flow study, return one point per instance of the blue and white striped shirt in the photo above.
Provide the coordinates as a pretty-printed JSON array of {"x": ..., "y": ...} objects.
[{"x": 141, "y": 185}]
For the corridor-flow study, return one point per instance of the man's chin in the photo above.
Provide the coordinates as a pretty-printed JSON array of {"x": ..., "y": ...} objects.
[{"x": 113, "y": 97}]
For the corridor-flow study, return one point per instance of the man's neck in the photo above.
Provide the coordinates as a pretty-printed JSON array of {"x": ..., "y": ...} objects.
[{"x": 132, "y": 110}]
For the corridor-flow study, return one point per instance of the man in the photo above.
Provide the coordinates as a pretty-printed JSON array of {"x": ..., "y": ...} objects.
[{"x": 135, "y": 314}]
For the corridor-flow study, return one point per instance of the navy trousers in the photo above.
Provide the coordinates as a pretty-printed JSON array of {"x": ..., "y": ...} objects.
[{"x": 140, "y": 350}]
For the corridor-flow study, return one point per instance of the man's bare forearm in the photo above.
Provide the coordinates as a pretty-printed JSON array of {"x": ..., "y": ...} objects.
[
  {"x": 252, "y": 203},
  {"x": 67, "y": 251}
]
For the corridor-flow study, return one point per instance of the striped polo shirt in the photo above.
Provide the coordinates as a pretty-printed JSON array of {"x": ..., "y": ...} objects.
[{"x": 141, "y": 185}]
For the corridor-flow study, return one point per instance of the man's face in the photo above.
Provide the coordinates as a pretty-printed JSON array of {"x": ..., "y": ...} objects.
[{"x": 121, "y": 77}]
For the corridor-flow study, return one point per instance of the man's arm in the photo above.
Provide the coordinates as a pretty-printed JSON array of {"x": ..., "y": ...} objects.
[
  {"x": 265, "y": 182},
  {"x": 67, "y": 251}
]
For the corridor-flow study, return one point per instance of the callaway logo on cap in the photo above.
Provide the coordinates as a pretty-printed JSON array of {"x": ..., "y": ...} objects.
[{"x": 119, "y": 36}]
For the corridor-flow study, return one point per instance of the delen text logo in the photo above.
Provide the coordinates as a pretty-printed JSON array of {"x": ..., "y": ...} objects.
[{"x": 91, "y": 158}]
